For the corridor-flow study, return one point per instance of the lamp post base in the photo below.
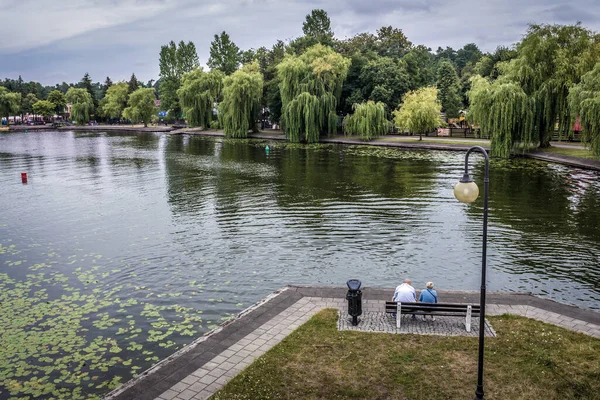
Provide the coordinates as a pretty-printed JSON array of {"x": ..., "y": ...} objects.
[{"x": 479, "y": 393}]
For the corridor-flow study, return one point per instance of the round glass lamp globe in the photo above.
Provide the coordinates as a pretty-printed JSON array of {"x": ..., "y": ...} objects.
[{"x": 466, "y": 192}]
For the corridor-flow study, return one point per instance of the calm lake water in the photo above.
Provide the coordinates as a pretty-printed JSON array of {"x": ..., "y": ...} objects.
[{"x": 123, "y": 248}]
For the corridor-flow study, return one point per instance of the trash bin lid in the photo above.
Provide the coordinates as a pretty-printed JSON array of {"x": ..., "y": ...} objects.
[{"x": 353, "y": 284}]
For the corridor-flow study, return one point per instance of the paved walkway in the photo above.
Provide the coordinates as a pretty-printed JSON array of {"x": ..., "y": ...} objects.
[
  {"x": 381, "y": 322},
  {"x": 202, "y": 368}
]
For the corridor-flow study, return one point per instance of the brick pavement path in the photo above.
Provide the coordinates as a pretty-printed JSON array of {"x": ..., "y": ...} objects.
[{"x": 202, "y": 368}]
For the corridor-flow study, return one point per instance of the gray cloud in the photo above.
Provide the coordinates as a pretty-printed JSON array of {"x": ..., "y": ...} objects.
[
  {"x": 63, "y": 40},
  {"x": 569, "y": 13}
]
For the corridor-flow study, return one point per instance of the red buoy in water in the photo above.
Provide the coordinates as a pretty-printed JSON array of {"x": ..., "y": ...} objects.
[{"x": 24, "y": 177}]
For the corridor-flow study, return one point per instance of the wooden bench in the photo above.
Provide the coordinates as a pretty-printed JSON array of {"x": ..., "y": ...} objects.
[{"x": 442, "y": 309}]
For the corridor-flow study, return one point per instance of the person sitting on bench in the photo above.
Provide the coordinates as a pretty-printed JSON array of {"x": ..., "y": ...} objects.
[
  {"x": 428, "y": 295},
  {"x": 405, "y": 293}
]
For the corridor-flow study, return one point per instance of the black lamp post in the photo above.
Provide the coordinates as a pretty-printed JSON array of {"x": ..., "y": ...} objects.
[{"x": 466, "y": 191}]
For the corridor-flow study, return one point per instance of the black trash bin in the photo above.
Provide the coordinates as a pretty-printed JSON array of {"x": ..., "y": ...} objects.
[{"x": 354, "y": 297}]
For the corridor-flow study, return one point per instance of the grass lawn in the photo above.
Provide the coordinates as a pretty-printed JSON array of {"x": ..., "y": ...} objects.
[
  {"x": 528, "y": 359},
  {"x": 568, "y": 151}
]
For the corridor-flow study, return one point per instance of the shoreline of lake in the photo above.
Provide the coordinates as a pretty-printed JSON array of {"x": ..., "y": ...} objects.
[{"x": 461, "y": 145}]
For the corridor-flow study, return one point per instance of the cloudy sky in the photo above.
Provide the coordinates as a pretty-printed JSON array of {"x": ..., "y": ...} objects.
[{"x": 53, "y": 41}]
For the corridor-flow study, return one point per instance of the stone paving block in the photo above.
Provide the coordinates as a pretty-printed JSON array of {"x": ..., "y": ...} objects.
[
  {"x": 202, "y": 396},
  {"x": 222, "y": 381},
  {"x": 180, "y": 387},
  {"x": 227, "y": 365},
  {"x": 207, "y": 379},
  {"x": 216, "y": 361},
  {"x": 213, "y": 387},
  {"x": 242, "y": 353},
  {"x": 168, "y": 394},
  {"x": 235, "y": 359},
  {"x": 200, "y": 372},
  {"x": 259, "y": 342},
  {"x": 227, "y": 353},
  {"x": 251, "y": 347},
  {"x": 197, "y": 387},
  {"x": 218, "y": 372},
  {"x": 232, "y": 372},
  {"x": 190, "y": 379},
  {"x": 186, "y": 395}
]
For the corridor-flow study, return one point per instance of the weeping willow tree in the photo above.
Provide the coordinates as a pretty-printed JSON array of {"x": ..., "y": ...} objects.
[
  {"x": 198, "y": 94},
  {"x": 584, "y": 101},
  {"x": 311, "y": 86},
  {"x": 503, "y": 112},
  {"x": 367, "y": 121},
  {"x": 550, "y": 60},
  {"x": 82, "y": 105},
  {"x": 419, "y": 111},
  {"x": 240, "y": 108}
]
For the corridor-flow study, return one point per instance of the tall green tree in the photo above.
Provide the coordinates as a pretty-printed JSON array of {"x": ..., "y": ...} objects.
[
  {"x": 141, "y": 106},
  {"x": 419, "y": 111},
  {"x": 115, "y": 100},
  {"x": 224, "y": 54},
  {"x": 391, "y": 42},
  {"x": 420, "y": 65},
  {"x": 107, "y": 83},
  {"x": 318, "y": 26},
  {"x": 448, "y": 86},
  {"x": 584, "y": 101},
  {"x": 57, "y": 98},
  {"x": 86, "y": 83},
  {"x": 198, "y": 94},
  {"x": 44, "y": 108},
  {"x": 271, "y": 93},
  {"x": 550, "y": 60},
  {"x": 81, "y": 104},
  {"x": 469, "y": 53},
  {"x": 368, "y": 120},
  {"x": 9, "y": 103},
  {"x": 503, "y": 112},
  {"x": 489, "y": 64},
  {"x": 385, "y": 80},
  {"x": 174, "y": 62},
  {"x": 28, "y": 102},
  {"x": 133, "y": 84},
  {"x": 240, "y": 108},
  {"x": 311, "y": 85}
]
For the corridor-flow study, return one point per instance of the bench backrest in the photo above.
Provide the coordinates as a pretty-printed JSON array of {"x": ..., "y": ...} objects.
[{"x": 407, "y": 308}]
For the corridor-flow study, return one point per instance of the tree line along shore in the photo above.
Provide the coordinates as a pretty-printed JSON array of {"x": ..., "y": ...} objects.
[{"x": 366, "y": 85}]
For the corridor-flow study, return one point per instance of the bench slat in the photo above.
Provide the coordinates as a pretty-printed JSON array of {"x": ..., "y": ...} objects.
[
  {"x": 439, "y": 305},
  {"x": 433, "y": 309}
]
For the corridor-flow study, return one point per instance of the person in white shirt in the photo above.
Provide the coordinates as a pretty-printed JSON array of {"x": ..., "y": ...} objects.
[{"x": 405, "y": 293}]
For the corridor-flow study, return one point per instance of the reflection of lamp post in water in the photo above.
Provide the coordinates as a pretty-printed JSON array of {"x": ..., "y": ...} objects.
[{"x": 466, "y": 191}]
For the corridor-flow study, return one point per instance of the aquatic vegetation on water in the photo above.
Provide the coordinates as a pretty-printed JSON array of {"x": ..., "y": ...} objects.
[{"x": 68, "y": 336}]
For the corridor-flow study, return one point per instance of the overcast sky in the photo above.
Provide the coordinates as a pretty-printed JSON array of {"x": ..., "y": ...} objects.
[{"x": 53, "y": 41}]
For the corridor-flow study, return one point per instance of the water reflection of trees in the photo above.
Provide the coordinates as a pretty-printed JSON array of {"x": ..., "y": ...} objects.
[
  {"x": 186, "y": 175},
  {"x": 543, "y": 216},
  {"x": 311, "y": 177},
  {"x": 538, "y": 199}
]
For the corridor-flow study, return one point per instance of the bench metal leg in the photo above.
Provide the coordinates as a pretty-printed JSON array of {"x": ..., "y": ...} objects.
[
  {"x": 398, "y": 315},
  {"x": 468, "y": 319}
]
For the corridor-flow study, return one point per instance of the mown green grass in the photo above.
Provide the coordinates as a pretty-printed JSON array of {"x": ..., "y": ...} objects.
[{"x": 528, "y": 359}]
